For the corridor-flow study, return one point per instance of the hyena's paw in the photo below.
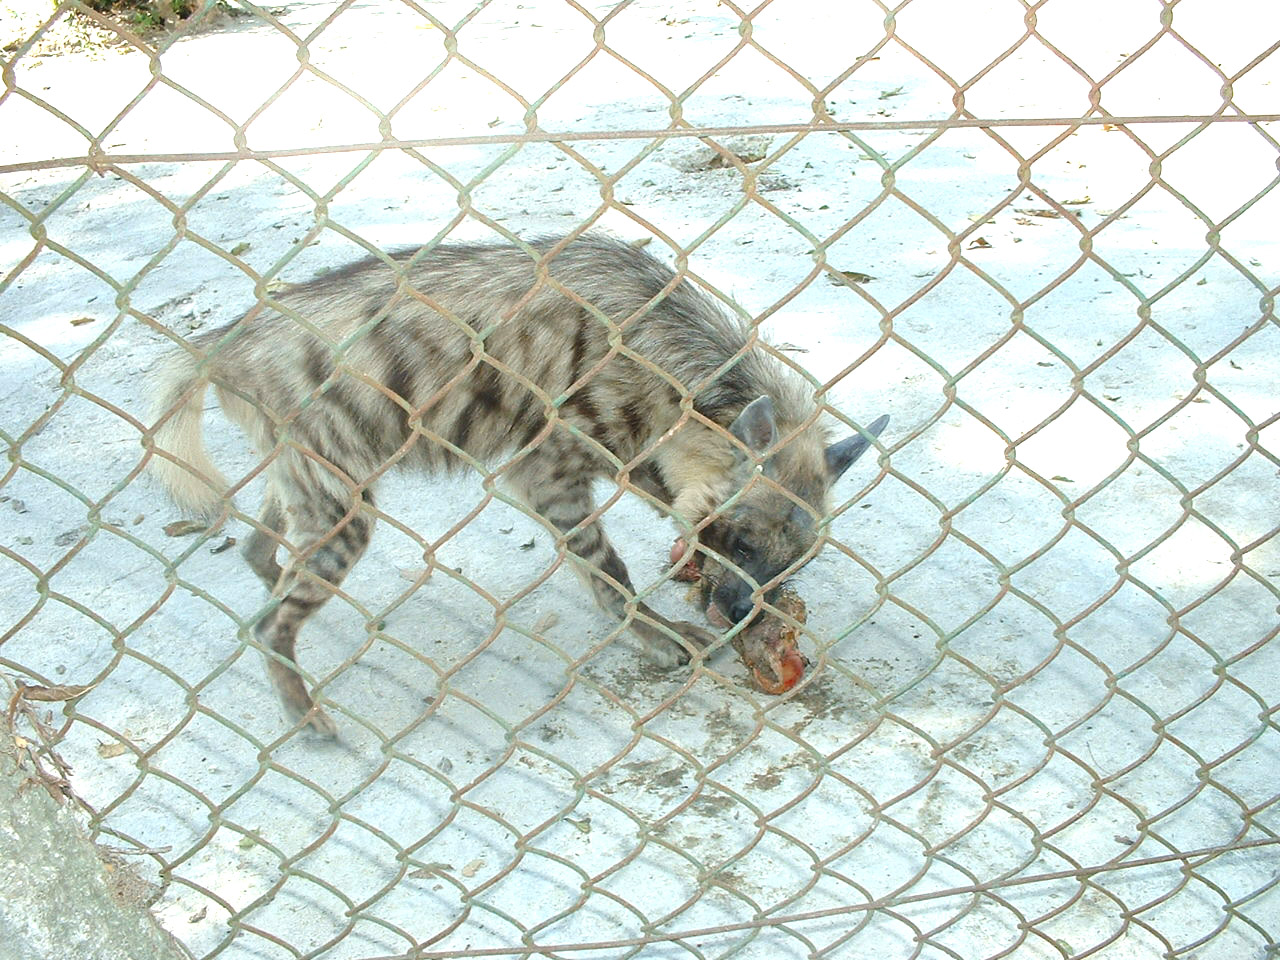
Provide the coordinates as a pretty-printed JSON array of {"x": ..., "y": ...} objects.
[
  {"x": 665, "y": 651},
  {"x": 321, "y": 723},
  {"x": 298, "y": 702},
  {"x": 698, "y": 637}
]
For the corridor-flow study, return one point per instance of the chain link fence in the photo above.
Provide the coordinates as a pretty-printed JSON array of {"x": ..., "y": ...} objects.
[{"x": 1039, "y": 718}]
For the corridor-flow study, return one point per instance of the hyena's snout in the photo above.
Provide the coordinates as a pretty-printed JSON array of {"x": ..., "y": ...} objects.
[
  {"x": 743, "y": 604},
  {"x": 733, "y": 598}
]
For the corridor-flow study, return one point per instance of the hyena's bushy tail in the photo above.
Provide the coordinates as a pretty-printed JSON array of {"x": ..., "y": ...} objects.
[{"x": 178, "y": 460}]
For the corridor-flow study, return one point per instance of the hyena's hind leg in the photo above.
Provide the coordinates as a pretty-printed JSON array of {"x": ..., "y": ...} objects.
[
  {"x": 264, "y": 540},
  {"x": 326, "y": 537},
  {"x": 556, "y": 483}
]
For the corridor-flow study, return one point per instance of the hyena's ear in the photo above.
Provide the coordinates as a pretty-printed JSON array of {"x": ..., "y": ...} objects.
[
  {"x": 756, "y": 426},
  {"x": 841, "y": 454}
]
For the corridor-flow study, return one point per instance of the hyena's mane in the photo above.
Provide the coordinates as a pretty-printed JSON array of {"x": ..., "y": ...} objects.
[
  {"x": 722, "y": 360},
  {"x": 716, "y": 354}
]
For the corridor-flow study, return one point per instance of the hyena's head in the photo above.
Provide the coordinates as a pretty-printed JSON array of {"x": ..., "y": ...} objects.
[{"x": 769, "y": 527}]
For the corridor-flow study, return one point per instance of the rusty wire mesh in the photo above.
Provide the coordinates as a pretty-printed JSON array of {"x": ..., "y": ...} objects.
[{"x": 1041, "y": 719}]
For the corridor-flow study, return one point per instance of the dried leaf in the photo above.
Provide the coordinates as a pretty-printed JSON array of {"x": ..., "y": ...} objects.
[
  {"x": 68, "y": 537},
  {"x": 895, "y": 92},
  {"x": 240, "y": 248},
  {"x": 979, "y": 243},
  {"x": 850, "y": 276},
  {"x": 1063, "y": 479},
  {"x": 181, "y": 528},
  {"x": 226, "y": 544},
  {"x": 109, "y": 750},
  {"x": 55, "y": 694},
  {"x": 413, "y": 574},
  {"x": 546, "y": 622},
  {"x": 199, "y": 914},
  {"x": 582, "y": 825},
  {"x": 81, "y": 321},
  {"x": 472, "y": 868},
  {"x": 1075, "y": 203},
  {"x": 527, "y": 545},
  {"x": 246, "y": 843}
]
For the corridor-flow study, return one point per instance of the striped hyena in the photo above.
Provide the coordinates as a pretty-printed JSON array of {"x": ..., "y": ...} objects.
[{"x": 569, "y": 360}]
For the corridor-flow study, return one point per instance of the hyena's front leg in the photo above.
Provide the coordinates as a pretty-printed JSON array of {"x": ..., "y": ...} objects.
[
  {"x": 562, "y": 496},
  {"x": 327, "y": 539}
]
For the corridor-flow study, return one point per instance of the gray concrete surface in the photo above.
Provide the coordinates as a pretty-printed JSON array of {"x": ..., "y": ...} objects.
[{"x": 59, "y": 899}]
